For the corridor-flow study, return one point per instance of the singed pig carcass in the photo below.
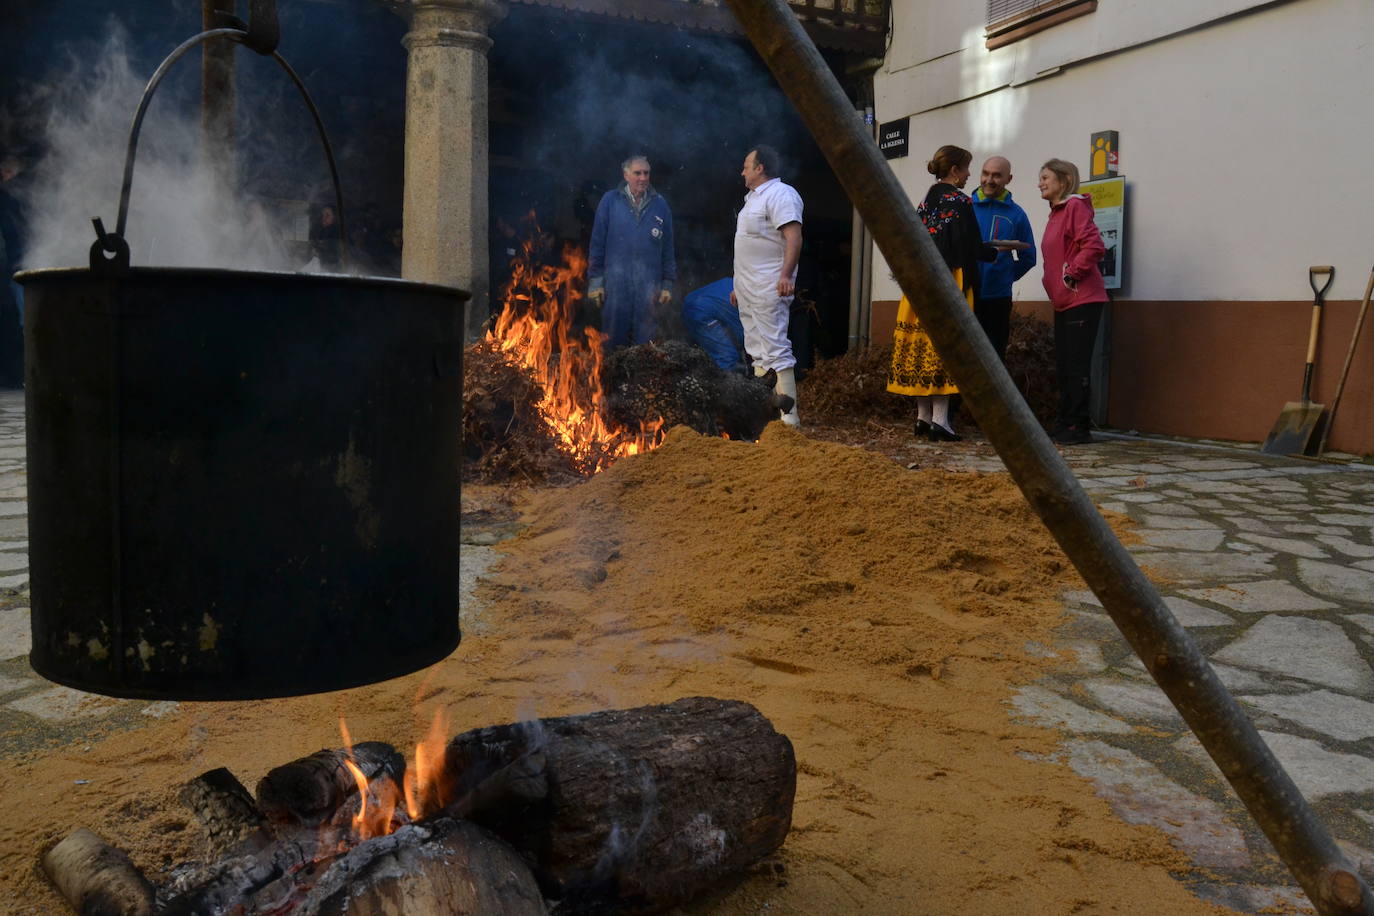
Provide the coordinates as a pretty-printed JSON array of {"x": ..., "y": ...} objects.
[{"x": 680, "y": 383}]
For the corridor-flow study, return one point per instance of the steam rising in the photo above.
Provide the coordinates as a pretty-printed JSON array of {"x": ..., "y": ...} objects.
[{"x": 183, "y": 212}]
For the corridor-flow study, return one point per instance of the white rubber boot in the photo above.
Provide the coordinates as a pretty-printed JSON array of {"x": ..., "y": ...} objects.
[{"x": 787, "y": 384}]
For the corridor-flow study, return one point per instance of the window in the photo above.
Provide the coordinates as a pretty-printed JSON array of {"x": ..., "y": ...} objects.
[{"x": 1012, "y": 20}]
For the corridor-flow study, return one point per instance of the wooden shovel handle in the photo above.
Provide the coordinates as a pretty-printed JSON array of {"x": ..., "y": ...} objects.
[{"x": 1345, "y": 369}]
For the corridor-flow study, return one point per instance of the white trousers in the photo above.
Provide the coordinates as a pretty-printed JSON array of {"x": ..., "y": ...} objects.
[{"x": 765, "y": 315}]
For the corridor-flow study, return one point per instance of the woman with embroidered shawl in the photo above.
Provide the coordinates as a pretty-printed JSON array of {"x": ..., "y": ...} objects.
[{"x": 948, "y": 216}]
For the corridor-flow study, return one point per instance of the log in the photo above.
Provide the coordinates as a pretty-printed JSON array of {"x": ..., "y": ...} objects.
[
  {"x": 97, "y": 879},
  {"x": 225, "y": 811},
  {"x": 442, "y": 868},
  {"x": 308, "y": 791},
  {"x": 644, "y": 808}
]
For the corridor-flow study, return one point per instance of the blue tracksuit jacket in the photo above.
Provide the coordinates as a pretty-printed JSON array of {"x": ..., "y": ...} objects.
[
  {"x": 632, "y": 258},
  {"x": 1008, "y": 219}
]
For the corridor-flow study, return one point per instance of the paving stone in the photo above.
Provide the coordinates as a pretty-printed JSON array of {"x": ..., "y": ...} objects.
[
  {"x": 10, "y": 561},
  {"x": 1364, "y": 564},
  {"x": 1287, "y": 545},
  {"x": 1139, "y": 497},
  {"x": 11, "y": 684},
  {"x": 1082, "y": 596},
  {"x": 1243, "y": 522},
  {"x": 1182, "y": 539},
  {"x": 16, "y": 639},
  {"x": 1175, "y": 508},
  {"x": 1242, "y": 547},
  {"x": 1044, "y": 707},
  {"x": 1214, "y": 486},
  {"x": 1262, "y": 597},
  {"x": 63, "y": 703},
  {"x": 1195, "y": 615},
  {"x": 1347, "y": 518},
  {"x": 160, "y": 708},
  {"x": 1209, "y": 567},
  {"x": 473, "y": 562},
  {"x": 1134, "y": 700},
  {"x": 1140, "y": 794},
  {"x": 1342, "y": 717},
  {"x": 18, "y": 581},
  {"x": 1351, "y": 586},
  {"x": 1152, "y": 520},
  {"x": 1317, "y": 771},
  {"x": 1083, "y": 657},
  {"x": 11, "y": 508},
  {"x": 1346, "y": 546},
  {"x": 14, "y": 527},
  {"x": 1238, "y": 680},
  {"x": 1328, "y": 656},
  {"x": 1213, "y": 464}
]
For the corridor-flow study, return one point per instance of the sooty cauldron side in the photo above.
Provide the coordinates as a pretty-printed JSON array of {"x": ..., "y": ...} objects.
[{"x": 241, "y": 484}]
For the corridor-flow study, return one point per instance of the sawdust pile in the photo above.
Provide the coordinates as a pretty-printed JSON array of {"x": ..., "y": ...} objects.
[{"x": 877, "y": 616}]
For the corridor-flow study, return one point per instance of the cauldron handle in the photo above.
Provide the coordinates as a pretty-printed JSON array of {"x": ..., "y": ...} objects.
[{"x": 105, "y": 242}]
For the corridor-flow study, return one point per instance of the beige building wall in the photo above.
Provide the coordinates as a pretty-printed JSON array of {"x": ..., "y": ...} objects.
[{"x": 1243, "y": 132}]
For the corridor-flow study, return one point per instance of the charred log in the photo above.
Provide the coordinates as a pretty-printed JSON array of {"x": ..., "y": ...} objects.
[
  {"x": 678, "y": 382},
  {"x": 310, "y": 790},
  {"x": 443, "y": 868},
  {"x": 645, "y": 807},
  {"x": 225, "y": 811},
  {"x": 97, "y": 879}
]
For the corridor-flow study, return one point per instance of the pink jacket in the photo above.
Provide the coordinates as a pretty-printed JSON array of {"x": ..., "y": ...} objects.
[{"x": 1071, "y": 248}]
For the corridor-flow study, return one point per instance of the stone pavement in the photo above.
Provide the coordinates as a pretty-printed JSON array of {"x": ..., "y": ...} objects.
[{"x": 1268, "y": 562}]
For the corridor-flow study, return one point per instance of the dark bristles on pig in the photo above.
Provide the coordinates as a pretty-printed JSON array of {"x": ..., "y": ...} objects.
[{"x": 679, "y": 382}]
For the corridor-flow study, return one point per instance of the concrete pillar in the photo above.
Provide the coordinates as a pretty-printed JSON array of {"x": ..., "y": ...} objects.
[{"x": 444, "y": 221}]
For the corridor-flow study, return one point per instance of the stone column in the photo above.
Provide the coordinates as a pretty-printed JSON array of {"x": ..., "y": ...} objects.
[{"x": 444, "y": 222}]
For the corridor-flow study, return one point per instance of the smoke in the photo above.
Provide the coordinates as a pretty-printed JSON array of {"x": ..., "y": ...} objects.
[{"x": 183, "y": 211}]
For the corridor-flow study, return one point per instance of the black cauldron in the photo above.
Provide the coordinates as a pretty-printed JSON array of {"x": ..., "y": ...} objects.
[{"x": 241, "y": 484}]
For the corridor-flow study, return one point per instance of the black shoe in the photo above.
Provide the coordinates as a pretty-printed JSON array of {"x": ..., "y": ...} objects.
[
  {"x": 1073, "y": 435},
  {"x": 940, "y": 433},
  {"x": 922, "y": 429}
]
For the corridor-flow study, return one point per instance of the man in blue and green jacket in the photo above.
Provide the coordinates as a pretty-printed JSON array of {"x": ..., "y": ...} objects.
[
  {"x": 1000, "y": 217},
  {"x": 631, "y": 266}
]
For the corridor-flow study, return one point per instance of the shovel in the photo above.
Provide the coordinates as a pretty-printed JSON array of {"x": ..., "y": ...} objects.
[
  {"x": 1298, "y": 419},
  {"x": 1345, "y": 370}
]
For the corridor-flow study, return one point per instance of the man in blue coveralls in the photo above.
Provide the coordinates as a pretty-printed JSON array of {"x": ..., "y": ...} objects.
[
  {"x": 632, "y": 268},
  {"x": 714, "y": 324}
]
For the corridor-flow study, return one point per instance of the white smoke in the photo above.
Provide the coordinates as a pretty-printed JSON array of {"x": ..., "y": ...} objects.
[{"x": 183, "y": 212}]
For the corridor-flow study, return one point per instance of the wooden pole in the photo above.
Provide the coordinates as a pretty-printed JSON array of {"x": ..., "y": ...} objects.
[{"x": 1166, "y": 648}]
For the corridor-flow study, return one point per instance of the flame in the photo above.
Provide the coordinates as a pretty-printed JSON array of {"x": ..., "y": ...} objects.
[
  {"x": 377, "y": 805},
  {"x": 535, "y": 330},
  {"x": 425, "y": 786}
]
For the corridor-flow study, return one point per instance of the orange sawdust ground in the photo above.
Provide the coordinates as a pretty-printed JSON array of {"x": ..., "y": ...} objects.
[{"x": 879, "y": 617}]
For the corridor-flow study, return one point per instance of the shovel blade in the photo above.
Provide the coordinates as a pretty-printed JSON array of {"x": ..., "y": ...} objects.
[{"x": 1293, "y": 429}]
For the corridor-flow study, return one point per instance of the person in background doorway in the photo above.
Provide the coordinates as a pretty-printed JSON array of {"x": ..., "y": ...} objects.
[
  {"x": 714, "y": 324},
  {"x": 631, "y": 265},
  {"x": 1000, "y": 219},
  {"x": 768, "y": 243},
  {"x": 1072, "y": 247},
  {"x": 916, "y": 369}
]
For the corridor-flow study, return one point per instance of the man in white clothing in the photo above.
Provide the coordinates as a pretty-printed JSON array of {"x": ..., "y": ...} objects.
[{"x": 768, "y": 241}]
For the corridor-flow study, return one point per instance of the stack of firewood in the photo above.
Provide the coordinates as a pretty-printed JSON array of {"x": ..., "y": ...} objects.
[{"x": 621, "y": 811}]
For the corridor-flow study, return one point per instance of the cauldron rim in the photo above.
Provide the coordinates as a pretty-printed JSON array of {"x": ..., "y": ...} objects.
[{"x": 221, "y": 274}]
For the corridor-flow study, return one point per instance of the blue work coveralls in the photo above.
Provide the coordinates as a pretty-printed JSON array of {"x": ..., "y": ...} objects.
[
  {"x": 632, "y": 258},
  {"x": 714, "y": 323}
]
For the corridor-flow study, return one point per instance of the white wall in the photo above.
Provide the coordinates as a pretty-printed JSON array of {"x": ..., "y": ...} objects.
[{"x": 1245, "y": 143}]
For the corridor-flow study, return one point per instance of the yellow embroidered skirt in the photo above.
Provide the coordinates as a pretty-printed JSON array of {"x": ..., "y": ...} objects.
[{"x": 916, "y": 368}]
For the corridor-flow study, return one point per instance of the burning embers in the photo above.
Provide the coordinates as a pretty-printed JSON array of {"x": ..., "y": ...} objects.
[
  {"x": 619, "y": 811},
  {"x": 537, "y": 329}
]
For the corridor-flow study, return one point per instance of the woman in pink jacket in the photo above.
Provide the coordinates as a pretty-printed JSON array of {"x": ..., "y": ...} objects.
[{"x": 1070, "y": 249}]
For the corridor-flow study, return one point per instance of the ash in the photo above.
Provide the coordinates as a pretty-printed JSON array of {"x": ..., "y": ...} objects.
[{"x": 678, "y": 382}]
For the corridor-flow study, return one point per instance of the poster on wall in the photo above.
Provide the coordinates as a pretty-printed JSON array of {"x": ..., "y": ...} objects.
[{"x": 1109, "y": 206}]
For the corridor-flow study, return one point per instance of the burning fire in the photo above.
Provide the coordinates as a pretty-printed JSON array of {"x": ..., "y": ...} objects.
[
  {"x": 536, "y": 331},
  {"x": 383, "y": 806}
]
